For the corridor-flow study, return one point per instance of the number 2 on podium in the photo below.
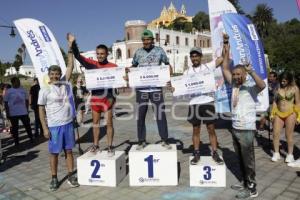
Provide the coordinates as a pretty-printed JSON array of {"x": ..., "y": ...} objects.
[{"x": 95, "y": 163}]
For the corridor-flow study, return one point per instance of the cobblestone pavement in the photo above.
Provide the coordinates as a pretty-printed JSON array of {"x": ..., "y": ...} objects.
[{"x": 25, "y": 173}]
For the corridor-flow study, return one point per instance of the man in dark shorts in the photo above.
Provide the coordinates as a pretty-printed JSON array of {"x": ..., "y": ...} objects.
[{"x": 202, "y": 108}]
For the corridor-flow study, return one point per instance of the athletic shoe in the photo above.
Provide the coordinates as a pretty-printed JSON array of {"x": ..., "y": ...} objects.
[
  {"x": 166, "y": 144},
  {"x": 53, "y": 184},
  {"x": 289, "y": 158},
  {"x": 72, "y": 181},
  {"x": 94, "y": 149},
  {"x": 141, "y": 145},
  {"x": 217, "y": 158},
  {"x": 110, "y": 152},
  {"x": 276, "y": 157},
  {"x": 196, "y": 158},
  {"x": 246, "y": 193}
]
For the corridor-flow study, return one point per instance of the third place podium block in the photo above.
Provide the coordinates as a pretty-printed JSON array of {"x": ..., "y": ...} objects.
[
  {"x": 101, "y": 170},
  {"x": 153, "y": 166},
  {"x": 207, "y": 173}
]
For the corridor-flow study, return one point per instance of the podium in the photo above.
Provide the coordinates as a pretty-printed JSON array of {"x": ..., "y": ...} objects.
[
  {"x": 153, "y": 166},
  {"x": 207, "y": 173},
  {"x": 101, "y": 170}
]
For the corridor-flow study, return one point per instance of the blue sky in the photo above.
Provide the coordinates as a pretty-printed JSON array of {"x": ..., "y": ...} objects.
[{"x": 102, "y": 21}]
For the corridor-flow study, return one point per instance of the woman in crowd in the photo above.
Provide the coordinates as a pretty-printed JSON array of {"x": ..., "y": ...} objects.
[{"x": 285, "y": 111}]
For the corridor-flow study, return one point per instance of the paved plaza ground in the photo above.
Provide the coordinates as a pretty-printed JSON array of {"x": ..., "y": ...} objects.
[{"x": 25, "y": 173}]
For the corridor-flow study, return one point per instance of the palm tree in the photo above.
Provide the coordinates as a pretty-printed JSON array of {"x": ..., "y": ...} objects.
[
  {"x": 262, "y": 18},
  {"x": 237, "y": 6},
  {"x": 24, "y": 51}
]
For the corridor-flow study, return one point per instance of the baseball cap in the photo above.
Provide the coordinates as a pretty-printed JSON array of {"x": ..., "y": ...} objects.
[
  {"x": 147, "y": 34},
  {"x": 196, "y": 50}
]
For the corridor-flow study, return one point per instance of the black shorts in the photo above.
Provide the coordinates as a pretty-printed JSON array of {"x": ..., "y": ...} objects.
[
  {"x": 79, "y": 102},
  {"x": 205, "y": 113}
]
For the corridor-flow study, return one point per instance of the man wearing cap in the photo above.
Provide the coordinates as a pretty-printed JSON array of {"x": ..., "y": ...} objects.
[
  {"x": 150, "y": 55},
  {"x": 201, "y": 108}
]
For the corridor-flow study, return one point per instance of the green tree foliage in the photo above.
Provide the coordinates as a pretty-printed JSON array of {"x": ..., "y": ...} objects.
[
  {"x": 262, "y": 18},
  {"x": 237, "y": 6},
  {"x": 201, "y": 21},
  {"x": 181, "y": 24},
  {"x": 283, "y": 45}
]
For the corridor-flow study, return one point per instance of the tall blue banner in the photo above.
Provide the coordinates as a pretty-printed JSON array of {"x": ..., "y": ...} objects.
[{"x": 246, "y": 46}]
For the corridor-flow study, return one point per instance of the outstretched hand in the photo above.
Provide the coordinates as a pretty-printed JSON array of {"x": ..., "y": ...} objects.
[{"x": 70, "y": 38}]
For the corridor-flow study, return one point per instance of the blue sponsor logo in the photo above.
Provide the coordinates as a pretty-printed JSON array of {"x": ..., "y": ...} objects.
[
  {"x": 45, "y": 33},
  {"x": 35, "y": 43}
]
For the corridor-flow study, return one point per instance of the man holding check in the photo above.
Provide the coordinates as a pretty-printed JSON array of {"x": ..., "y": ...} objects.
[
  {"x": 202, "y": 108},
  {"x": 102, "y": 99},
  {"x": 150, "y": 55}
]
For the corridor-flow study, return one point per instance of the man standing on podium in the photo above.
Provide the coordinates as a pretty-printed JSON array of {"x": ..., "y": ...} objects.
[
  {"x": 150, "y": 55},
  {"x": 202, "y": 108}
]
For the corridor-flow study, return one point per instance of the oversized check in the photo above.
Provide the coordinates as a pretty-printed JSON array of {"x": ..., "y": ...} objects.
[
  {"x": 105, "y": 78},
  {"x": 198, "y": 83},
  {"x": 154, "y": 76}
]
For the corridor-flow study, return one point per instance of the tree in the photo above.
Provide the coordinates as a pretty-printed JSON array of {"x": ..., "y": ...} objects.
[
  {"x": 17, "y": 63},
  {"x": 262, "y": 18},
  {"x": 3, "y": 67},
  {"x": 201, "y": 21},
  {"x": 237, "y": 6},
  {"x": 181, "y": 24},
  {"x": 23, "y": 47}
]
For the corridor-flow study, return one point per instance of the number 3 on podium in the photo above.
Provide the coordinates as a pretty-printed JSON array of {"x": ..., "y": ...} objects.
[{"x": 207, "y": 176}]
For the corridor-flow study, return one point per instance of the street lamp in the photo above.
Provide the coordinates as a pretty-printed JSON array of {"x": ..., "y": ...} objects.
[{"x": 12, "y": 31}]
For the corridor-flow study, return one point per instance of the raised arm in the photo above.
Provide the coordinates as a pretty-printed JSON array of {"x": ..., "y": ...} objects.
[
  {"x": 226, "y": 61},
  {"x": 260, "y": 84},
  {"x": 70, "y": 64},
  {"x": 85, "y": 62}
]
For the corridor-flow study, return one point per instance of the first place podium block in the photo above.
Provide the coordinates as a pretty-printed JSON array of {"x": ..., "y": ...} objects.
[
  {"x": 101, "y": 170},
  {"x": 207, "y": 173},
  {"x": 153, "y": 166}
]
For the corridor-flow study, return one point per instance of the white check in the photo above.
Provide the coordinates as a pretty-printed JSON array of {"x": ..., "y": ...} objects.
[
  {"x": 198, "y": 83},
  {"x": 154, "y": 76},
  {"x": 105, "y": 78}
]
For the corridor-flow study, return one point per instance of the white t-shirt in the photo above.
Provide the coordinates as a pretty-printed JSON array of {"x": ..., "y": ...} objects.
[
  {"x": 16, "y": 98},
  {"x": 57, "y": 104},
  {"x": 203, "y": 68},
  {"x": 244, "y": 113}
]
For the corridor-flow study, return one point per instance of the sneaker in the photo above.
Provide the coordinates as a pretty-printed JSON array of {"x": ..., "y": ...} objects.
[
  {"x": 276, "y": 157},
  {"x": 166, "y": 144},
  {"x": 94, "y": 149},
  {"x": 294, "y": 164},
  {"x": 217, "y": 158},
  {"x": 196, "y": 158},
  {"x": 238, "y": 186},
  {"x": 246, "y": 193},
  {"x": 72, "y": 181},
  {"x": 141, "y": 145},
  {"x": 110, "y": 152},
  {"x": 53, "y": 184},
  {"x": 289, "y": 158}
]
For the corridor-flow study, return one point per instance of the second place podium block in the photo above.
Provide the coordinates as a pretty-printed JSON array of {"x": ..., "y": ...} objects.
[
  {"x": 153, "y": 166},
  {"x": 101, "y": 170}
]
